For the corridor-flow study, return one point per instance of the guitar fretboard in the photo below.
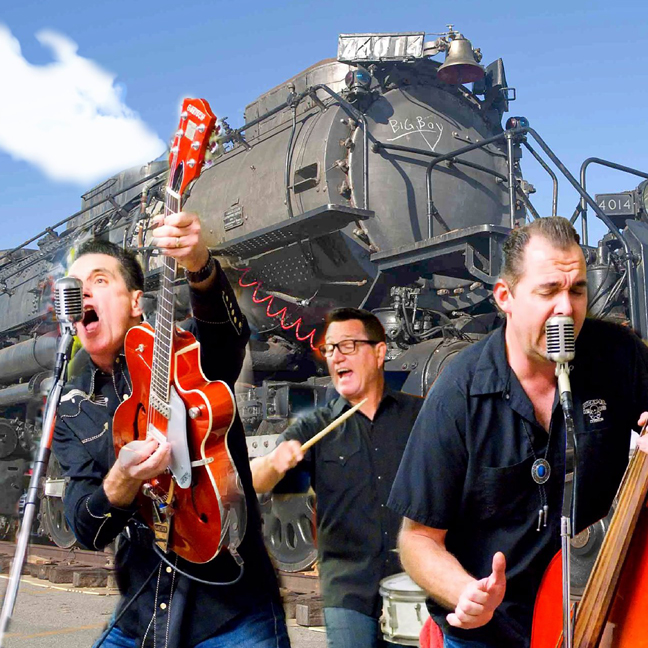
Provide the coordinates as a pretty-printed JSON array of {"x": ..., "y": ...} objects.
[{"x": 163, "y": 346}]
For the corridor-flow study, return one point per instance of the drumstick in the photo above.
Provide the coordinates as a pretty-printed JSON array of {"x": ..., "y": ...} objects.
[{"x": 333, "y": 425}]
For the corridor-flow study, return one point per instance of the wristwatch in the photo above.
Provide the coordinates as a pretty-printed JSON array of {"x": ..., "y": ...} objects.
[{"x": 204, "y": 272}]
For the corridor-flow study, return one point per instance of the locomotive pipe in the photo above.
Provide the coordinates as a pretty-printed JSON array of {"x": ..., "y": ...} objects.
[
  {"x": 27, "y": 358},
  {"x": 23, "y": 392},
  {"x": 292, "y": 102}
]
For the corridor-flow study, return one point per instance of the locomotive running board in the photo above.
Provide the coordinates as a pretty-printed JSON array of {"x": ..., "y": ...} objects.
[
  {"x": 310, "y": 225},
  {"x": 453, "y": 254}
]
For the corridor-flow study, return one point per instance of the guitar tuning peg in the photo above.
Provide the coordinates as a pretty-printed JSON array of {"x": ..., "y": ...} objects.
[
  {"x": 201, "y": 128},
  {"x": 184, "y": 115},
  {"x": 195, "y": 145},
  {"x": 191, "y": 163}
]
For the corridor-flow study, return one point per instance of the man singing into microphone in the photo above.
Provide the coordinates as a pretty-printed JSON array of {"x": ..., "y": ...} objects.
[
  {"x": 160, "y": 606},
  {"x": 481, "y": 480}
]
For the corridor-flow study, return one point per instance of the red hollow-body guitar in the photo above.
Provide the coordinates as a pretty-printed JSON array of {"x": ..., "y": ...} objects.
[{"x": 196, "y": 508}]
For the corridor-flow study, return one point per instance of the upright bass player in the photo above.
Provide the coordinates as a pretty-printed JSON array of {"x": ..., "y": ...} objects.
[{"x": 481, "y": 481}]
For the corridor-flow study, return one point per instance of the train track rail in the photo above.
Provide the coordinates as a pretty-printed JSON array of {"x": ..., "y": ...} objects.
[{"x": 298, "y": 583}]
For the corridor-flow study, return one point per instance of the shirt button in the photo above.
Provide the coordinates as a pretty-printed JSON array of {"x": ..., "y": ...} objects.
[
  {"x": 376, "y": 449},
  {"x": 382, "y": 506},
  {"x": 169, "y": 570},
  {"x": 163, "y": 606},
  {"x": 507, "y": 396},
  {"x": 379, "y": 477}
]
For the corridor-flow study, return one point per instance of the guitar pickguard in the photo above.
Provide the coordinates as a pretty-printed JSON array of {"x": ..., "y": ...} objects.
[{"x": 176, "y": 436}]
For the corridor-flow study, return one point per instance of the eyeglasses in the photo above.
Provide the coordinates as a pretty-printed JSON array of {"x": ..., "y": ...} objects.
[{"x": 346, "y": 347}]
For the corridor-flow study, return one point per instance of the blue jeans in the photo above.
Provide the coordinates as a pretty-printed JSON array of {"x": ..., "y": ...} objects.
[
  {"x": 264, "y": 628},
  {"x": 453, "y": 642},
  {"x": 350, "y": 629}
]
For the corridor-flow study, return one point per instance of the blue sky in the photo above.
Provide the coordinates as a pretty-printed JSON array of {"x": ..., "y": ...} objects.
[{"x": 579, "y": 69}]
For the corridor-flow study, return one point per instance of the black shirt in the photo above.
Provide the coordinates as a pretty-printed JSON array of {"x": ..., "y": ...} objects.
[
  {"x": 352, "y": 470},
  {"x": 467, "y": 467},
  {"x": 172, "y": 610}
]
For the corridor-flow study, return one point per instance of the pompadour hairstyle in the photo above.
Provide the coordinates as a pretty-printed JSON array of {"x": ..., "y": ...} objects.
[{"x": 555, "y": 229}]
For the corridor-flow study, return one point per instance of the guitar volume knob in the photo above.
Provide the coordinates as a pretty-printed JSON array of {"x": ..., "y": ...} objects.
[{"x": 194, "y": 412}]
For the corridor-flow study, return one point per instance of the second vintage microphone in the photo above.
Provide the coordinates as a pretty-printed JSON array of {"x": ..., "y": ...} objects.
[{"x": 561, "y": 349}]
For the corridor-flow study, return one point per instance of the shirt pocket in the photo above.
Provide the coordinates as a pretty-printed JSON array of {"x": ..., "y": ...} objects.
[
  {"x": 340, "y": 463},
  {"x": 504, "y": 494}
]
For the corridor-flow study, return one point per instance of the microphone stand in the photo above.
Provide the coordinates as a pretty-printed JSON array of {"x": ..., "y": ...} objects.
[
  {"x": 568, "y": 508},
  {"x": 40, "y": 467}
]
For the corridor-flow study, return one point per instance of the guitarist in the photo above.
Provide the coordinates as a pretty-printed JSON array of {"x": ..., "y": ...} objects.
[
  {"x": 482, "y": 520},
  {"x": 159, "y": 606}
]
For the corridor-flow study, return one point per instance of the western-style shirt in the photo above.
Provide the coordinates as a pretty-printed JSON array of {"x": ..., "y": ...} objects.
[
  {"x": 160, "y": 606},
  {"x": 352, "y": 470},
  {"x": 468, "y": 464}
]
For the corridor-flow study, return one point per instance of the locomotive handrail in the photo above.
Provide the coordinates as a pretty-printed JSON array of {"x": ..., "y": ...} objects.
[
  {"x": 510, "y": 135},
  {"x": 582, "y": 206},
  {"x": 547, "y": 168},
  {"x": 377, "y": 146},
  {"x": 15, "y": 268}
]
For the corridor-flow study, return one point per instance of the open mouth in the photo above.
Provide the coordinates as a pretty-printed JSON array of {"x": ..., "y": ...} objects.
[
  {"x": 341, "y": 373},
  {"x": 90, "y": 319}
]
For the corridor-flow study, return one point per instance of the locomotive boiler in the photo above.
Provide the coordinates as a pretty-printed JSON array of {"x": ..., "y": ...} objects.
[{"x": 380, "y": 179}]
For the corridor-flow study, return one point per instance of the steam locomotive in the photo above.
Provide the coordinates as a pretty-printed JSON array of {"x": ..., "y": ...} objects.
[{"x": 379, "y": 179}]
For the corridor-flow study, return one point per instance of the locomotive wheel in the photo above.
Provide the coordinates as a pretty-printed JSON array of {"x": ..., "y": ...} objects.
[
  {"x": 288, "y": 530},
  {"x": 52, "y": 516}
]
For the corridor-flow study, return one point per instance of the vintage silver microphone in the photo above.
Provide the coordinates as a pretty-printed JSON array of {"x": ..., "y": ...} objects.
[
  {"x": 561, "y": 349},
  {"x": 68, "y": 303},
  {"x": 68, "y": 300}
]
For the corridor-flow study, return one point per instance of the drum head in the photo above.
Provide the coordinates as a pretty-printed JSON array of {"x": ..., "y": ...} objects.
[{"x": 400, "y": 583}]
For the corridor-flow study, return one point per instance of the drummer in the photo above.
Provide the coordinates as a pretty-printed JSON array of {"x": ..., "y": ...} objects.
[{"x": 351, "y": 470}]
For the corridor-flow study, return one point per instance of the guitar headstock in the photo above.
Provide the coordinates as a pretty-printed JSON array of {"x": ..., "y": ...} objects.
[{"x": 197, "y": 124}]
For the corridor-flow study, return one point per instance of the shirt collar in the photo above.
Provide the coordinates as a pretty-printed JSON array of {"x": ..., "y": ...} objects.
[
  {"x": 493, "y": 375},
  {"x": 492, "y": 372},
  {"x": 341, "y": 404}
]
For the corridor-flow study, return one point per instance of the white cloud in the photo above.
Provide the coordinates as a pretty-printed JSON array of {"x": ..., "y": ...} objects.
[{"x": 67, "y": 117}]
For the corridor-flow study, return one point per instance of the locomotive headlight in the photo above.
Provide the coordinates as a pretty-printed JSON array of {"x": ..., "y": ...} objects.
[
  {"x": 517, "y": 122},
  {"x": 358, "y": 80}
]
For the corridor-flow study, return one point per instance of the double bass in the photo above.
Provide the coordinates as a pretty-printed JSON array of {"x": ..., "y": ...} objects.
[
  {"x": 613, "y": 611},
  {"x": 196, "y": 508}
]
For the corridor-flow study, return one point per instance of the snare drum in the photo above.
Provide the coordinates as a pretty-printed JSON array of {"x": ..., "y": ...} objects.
[{"x": 404, "y": 611}]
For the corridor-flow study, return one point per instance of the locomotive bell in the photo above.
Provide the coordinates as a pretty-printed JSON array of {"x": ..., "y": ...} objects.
[{"x": 460, "y": 65}]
